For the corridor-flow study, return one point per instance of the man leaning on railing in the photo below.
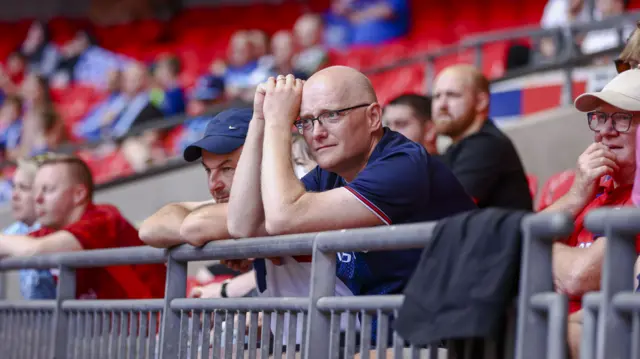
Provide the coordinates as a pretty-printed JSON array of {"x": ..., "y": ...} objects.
[
  {"x": 197, "y": 223},
  {"x": 367, "y": 176},
  {"x": 70, "y": 221}
]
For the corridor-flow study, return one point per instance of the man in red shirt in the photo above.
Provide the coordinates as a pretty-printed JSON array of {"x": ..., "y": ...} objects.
[
  {"x": 603, "y": 177},
  {"x": 70, "y": 221}
]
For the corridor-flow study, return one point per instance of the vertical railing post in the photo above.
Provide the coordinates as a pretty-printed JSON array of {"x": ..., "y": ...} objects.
[
  {"x": 567, "y": 87},
  {"x": 323, "y": 283},
  {"x": 614, "y": 327},
  {"x": 66, "y": 291},
  {"x": 477, "y": 50},
  {"x": 429, "y": 74},
  {"x": 3, "y": 285},
  {"x": 536, "y": 276},
  {"x": 170, "y": 326}
]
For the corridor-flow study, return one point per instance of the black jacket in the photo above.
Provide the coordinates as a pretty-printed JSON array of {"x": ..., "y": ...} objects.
[{"x": 466, "y": 278}]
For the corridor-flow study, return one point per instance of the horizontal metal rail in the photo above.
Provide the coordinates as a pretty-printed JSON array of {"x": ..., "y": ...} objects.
[
  {"x": 145, "y": 305},
  {"x": 242, "y": 304},
  {"x": 367, "y": 303},
  {"x": 27, "y": 304},
  {"x": 88, "y": 259}
]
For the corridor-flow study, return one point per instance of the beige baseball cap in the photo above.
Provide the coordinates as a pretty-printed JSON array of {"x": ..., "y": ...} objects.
[{"x": 622, "y": 92}]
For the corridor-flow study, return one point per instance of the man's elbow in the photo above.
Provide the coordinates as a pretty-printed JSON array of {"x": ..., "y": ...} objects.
[
  {"x": 242, "y": 229},
  {"x": 579, "y": 282},
  {"x": 279, "y": 225},
  {"x": 147, "y": 235},
  {"x": 199, "y": 231}
]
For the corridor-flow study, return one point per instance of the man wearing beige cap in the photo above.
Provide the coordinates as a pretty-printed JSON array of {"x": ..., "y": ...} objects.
[{"x": 604, "y": 177}]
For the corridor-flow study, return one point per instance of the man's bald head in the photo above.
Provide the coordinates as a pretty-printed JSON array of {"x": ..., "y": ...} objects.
[
  {"x": 342, "y": 85},
  {"x": 350, "y": 118}
]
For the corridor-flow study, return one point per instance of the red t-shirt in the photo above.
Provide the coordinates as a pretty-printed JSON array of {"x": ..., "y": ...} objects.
[
  {"x": 102, "y": 226},
  {"x": 557, "y": 186},
  {"x": 581, "y": 237}
]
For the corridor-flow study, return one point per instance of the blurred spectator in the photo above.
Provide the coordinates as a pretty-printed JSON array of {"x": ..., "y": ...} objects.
[
  {"x": 280, "y": 62},
  {"x": 130, "y": 108},
  {"x": 208, "y": 91},
  {"x": 90, "y": 127},
  {"x": 259, "y": 43},
  {"x": 16, "y": 67},
  {"x": 85, "y": 62},
  {"x": 145, "y": 150},
  {"x": 72, "y": 222},
  {"x": 168, "y": 96},
  {"x": 482, "y": 157},
  {"x": 410, "y": 115},
  {"x": 312, "y": 56},
  {"x": 630, "y": 56},
  {"x": 561, "y": 13},
  {"x": 303, "y": 161},
  {"x": 599, "y": 40},
  {"x": 42, "y": 128},
  {"x": 371, "y": 21},
  {"x": 41, "y": 54},
  {"x": 238, "y": 75},
  {"x": 34, "y": 283},
  {"x": 10, "y": 125}
]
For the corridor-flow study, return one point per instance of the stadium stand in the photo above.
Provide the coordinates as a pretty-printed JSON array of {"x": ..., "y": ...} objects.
[{"x": 530, "y": 106}]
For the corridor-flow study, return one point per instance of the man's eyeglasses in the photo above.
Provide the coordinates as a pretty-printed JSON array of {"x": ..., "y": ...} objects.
[
  {"x": 328, "y": 118},
  {"x": 622, "y": 65},
  {"x": 621, "y": 121}
]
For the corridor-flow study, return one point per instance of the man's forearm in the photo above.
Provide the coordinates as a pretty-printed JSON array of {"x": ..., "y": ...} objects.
[
  {"x": 242, "y": 284},
  {"x": 162, "y": 229},
  {"x": 17, "y": 246},
  {"x": 281, "y": 189},
  {"x": 246, "y": 211},
  {"x": 569, "y": 203},
  {"x": 577, "y": 270}
]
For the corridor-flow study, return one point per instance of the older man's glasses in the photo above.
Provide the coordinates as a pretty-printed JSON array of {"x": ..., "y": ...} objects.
[
  {"x": 621, "y": 121},
  {"x": 328, "y": 118}
]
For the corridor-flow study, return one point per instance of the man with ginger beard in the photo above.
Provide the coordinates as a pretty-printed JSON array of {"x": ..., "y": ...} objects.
[{"x": 482, "y": 157}]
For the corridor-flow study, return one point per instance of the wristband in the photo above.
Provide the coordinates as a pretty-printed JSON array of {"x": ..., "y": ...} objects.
[{"x": 223, "y": 289}]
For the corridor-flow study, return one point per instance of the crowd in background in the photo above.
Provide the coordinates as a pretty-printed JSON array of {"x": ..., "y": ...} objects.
[{"x": 53, "y": 194}]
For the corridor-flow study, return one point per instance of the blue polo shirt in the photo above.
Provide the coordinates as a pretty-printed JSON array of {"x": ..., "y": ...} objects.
[{"x": 401, "y": 183}]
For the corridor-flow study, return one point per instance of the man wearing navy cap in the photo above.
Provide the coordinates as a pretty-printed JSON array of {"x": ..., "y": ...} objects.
[
  {"x": 199, "y": 222},
  {"x": 195, "y": 222}
]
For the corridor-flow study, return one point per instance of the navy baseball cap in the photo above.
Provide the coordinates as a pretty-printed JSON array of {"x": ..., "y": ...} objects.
[{"x": 224, "y": 134}]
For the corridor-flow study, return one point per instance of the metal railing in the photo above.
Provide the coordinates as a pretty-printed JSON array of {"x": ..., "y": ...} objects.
[{"x": 320, "y": 325}]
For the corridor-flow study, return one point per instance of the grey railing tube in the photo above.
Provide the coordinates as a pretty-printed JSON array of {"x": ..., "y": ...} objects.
[
  {"x": 620, "y": 227},
  {"x": 536, "y": 278}
]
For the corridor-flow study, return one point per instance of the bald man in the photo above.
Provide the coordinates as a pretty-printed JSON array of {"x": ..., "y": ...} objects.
[
  {"x": 366, "y": 176},
  {"x": 482, "y": 157}
]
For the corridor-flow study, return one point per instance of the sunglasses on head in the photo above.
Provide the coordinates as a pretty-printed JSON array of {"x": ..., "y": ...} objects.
[{"x": 622, "y": 65}]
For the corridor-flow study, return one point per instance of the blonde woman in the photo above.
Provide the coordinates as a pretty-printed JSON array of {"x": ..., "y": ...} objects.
[{"x": 301, "y": 156}]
